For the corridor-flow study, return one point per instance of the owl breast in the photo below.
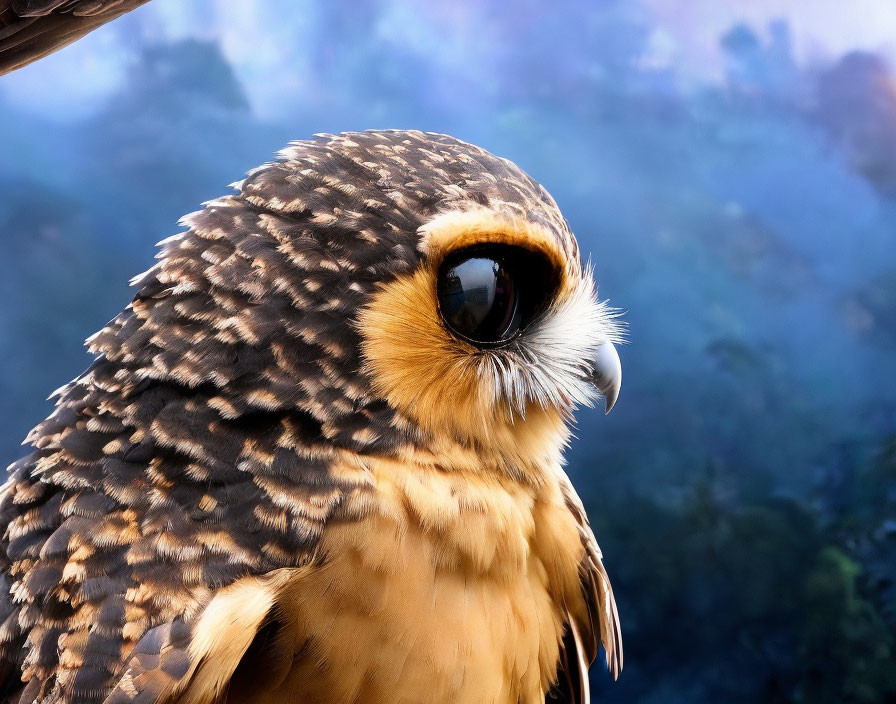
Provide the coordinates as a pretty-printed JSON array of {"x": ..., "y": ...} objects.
[{"x": 444, "y": 588}]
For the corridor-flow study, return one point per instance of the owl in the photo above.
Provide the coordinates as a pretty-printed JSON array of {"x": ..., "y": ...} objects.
[{"x": 318, "y": 458}]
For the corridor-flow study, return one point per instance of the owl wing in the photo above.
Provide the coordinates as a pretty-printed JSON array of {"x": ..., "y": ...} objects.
[
  {"x": 145, "y": 540},
  {"x": 31, "y": 29},
  {"x": 584, "y": 637},
  {"x": 203, "y": 450}
]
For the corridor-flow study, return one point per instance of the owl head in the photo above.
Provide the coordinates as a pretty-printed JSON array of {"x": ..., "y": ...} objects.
[{"x": 384, "y": 291}]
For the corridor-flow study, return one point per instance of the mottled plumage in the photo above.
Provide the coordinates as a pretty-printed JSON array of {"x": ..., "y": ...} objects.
[
  {"x": 30, "y": 29},
  {"x": 283, "y": 479}
]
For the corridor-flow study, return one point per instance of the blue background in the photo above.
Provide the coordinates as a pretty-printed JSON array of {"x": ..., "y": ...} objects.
[{"x": 731, "y": 171}]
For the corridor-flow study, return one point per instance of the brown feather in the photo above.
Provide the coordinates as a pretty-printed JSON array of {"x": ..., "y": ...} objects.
[
  {"x": 31, "y": 29},
  {"x": 602, "y": 624}
]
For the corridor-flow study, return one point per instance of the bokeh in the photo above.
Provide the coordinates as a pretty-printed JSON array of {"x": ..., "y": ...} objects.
[{"x": 730, "y": 169}]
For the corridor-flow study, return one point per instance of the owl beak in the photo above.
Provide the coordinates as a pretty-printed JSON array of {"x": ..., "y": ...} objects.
[{"x": 606, "y": 374}]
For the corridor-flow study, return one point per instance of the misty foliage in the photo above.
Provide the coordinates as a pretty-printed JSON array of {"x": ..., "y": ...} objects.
[{"x": 744, "y": 490}]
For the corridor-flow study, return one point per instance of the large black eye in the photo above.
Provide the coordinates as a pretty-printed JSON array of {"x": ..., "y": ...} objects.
[{"x": 489, "y": 293}]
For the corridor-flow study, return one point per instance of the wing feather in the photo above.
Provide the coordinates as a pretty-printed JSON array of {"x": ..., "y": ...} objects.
[
  {"x": 194, "y": 663},
  {"x": 198, "y": 450},
  {"x": 601, "y": 627},
  {"x": 31, "y": 29}
]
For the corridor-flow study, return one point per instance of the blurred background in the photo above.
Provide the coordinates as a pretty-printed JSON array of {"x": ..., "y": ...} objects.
[{"x": 729, "y": 167}]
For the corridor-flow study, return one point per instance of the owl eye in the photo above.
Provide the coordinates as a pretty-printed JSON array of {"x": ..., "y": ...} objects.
[{"x": 487, "y": 294}]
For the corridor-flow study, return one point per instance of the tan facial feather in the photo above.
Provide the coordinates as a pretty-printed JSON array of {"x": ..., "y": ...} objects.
[
  {"x": 510, "y": 402},
  {"x": 436, "y": 379}
]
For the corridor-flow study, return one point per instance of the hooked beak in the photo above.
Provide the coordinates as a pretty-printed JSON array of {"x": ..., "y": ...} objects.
[{"x": 606, "y": 374}]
